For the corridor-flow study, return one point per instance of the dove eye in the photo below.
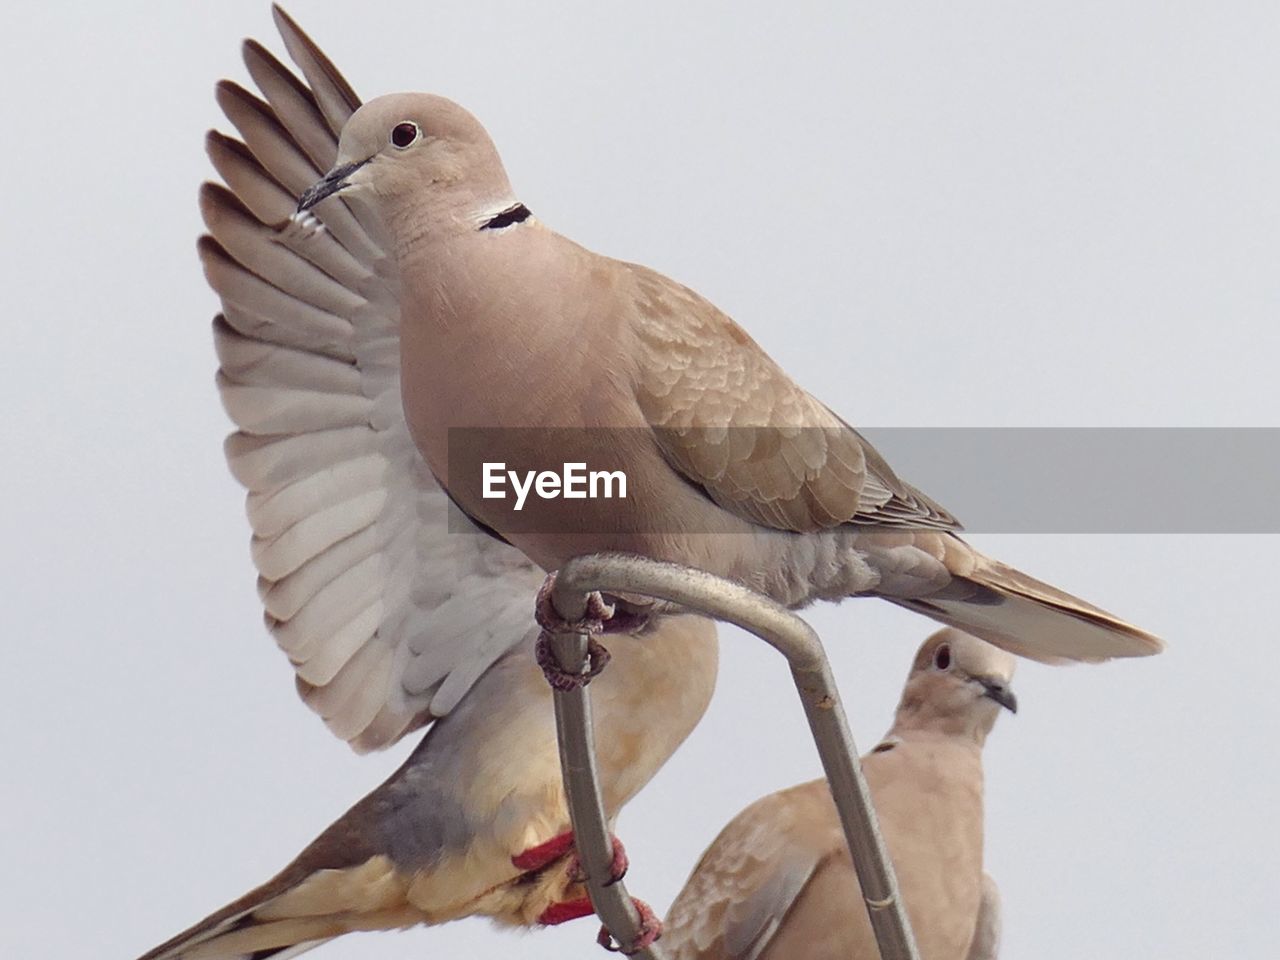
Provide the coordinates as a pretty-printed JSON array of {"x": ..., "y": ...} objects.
[
  {"x": 403, "y": 134},
  {"x": 942, "y": 657}
]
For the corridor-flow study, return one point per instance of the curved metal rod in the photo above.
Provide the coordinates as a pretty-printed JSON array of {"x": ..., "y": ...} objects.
[
  {"x": 811, "y": 672},
  {"x": 586, "y": 806}
]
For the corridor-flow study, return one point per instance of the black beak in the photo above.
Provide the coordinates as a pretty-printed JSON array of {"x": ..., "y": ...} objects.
[
  {"x": 334, "y": 181},
  {"x": 997, "y": 691}
]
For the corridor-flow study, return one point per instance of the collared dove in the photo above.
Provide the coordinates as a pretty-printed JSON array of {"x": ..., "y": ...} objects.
[
  {"x": 390, "y": 621},
  {"x": 778, "y": 882},
  {"x": 474, "y": 822},
  {"x": 730, "y": 466}
]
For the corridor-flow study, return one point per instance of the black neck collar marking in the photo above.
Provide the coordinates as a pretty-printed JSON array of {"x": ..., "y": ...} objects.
[{"x": 517, "y": 214}]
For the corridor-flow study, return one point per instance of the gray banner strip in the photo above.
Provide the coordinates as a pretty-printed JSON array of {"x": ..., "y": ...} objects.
[
  {"x": 1095, "y": 480},
  {"x": 994, "y": 480}
]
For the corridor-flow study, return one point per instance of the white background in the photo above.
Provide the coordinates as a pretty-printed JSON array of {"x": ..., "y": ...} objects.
[{"x": 932, "y": 214}]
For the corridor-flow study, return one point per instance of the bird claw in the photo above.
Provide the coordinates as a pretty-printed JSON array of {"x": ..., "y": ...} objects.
[
  {"x": 650, "y": 931},
  {"x": 618, "y": 866},
  {"x": 565, "y": 911},
  {"x": 549, "y": 619},
  {"x": 565, "y": 680},
  {"x": 593, "y": 620},
  {"x": 537, "y": 857}
]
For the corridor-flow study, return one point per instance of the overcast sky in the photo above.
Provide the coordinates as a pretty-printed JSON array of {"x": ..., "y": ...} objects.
[{"x": 932, "y": 214}]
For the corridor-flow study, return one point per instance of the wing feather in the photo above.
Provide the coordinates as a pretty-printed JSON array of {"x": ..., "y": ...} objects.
[
  {"x": 746, "y": 881},
  {"x": 728, "y": 418},
  {"x": 386, "y": 615}
]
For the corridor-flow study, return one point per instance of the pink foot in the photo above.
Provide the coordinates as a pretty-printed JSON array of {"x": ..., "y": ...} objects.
[
  {"x": 559, "y": 913},
  {"x": 617, "y": 866},
  {"x": 557, "y": 676},
  {"x": 598, "y": 611},
  {"x": 535, "y": 858},
  {"x": 650, "y": 930},
  {"x": 593, "y": 621}
]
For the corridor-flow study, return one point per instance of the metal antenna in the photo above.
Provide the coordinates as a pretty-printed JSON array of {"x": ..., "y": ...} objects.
[{"x": 721, "y": 599}]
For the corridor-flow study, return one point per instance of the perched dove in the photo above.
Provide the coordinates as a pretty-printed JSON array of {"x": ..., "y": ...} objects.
[
  {"x": 778, "y": 883},
  {"x": 475, "y": 822},
  {"x": 730, "y": 466},
  {"x": 390, "y": 620}
]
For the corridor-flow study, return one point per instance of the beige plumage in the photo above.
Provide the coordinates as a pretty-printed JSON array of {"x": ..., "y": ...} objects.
[
  {"x": 778, "y": 883},
  {"x": 392, "y": 619},
  {"x": 732, "y": 467},
  {"x": 447, "y": 836}
]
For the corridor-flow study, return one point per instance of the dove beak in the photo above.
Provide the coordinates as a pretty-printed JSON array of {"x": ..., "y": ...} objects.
[
  {"x": 998, "y": 691},
  {"x": 334, "y": 181}
]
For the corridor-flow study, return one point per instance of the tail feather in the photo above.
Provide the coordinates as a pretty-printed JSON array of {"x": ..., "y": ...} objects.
[
  {"x": 232, "y": 918},
  {"x": 285, "y": 953},
  {"x": 1029, "y": 618},
  {"x": 275, "y": 940},
  {"x": 299, "y": 909}
]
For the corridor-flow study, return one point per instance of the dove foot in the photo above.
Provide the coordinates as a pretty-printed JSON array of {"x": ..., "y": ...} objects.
[
  {"x": 559, "y": 913},
  {"x": 540, "y": 856},
  {"x": 617, "y": 866},
  {"x": 593, "y": 618},
  {"x": 650, "y": 930},
  {"x": 565, "y": 680},
  {"x": 592, "y": 622},
  {"x": 537, "y": 857},
  {"x": 650, "y": 925}
]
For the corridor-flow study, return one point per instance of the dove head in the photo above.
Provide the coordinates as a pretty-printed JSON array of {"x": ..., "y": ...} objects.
[
  {"x": 956, "y": 686},
  {"x": 420, "y": 162}
]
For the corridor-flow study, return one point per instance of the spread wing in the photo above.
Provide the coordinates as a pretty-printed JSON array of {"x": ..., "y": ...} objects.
[
  {"x": 728, "y": 418},
  {"x": 386, "y": 616}
]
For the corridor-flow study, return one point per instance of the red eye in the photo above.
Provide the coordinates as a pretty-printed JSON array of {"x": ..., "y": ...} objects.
[
  {"x": 942, "y": 657},
  {"x": 403, "y": 134}
]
